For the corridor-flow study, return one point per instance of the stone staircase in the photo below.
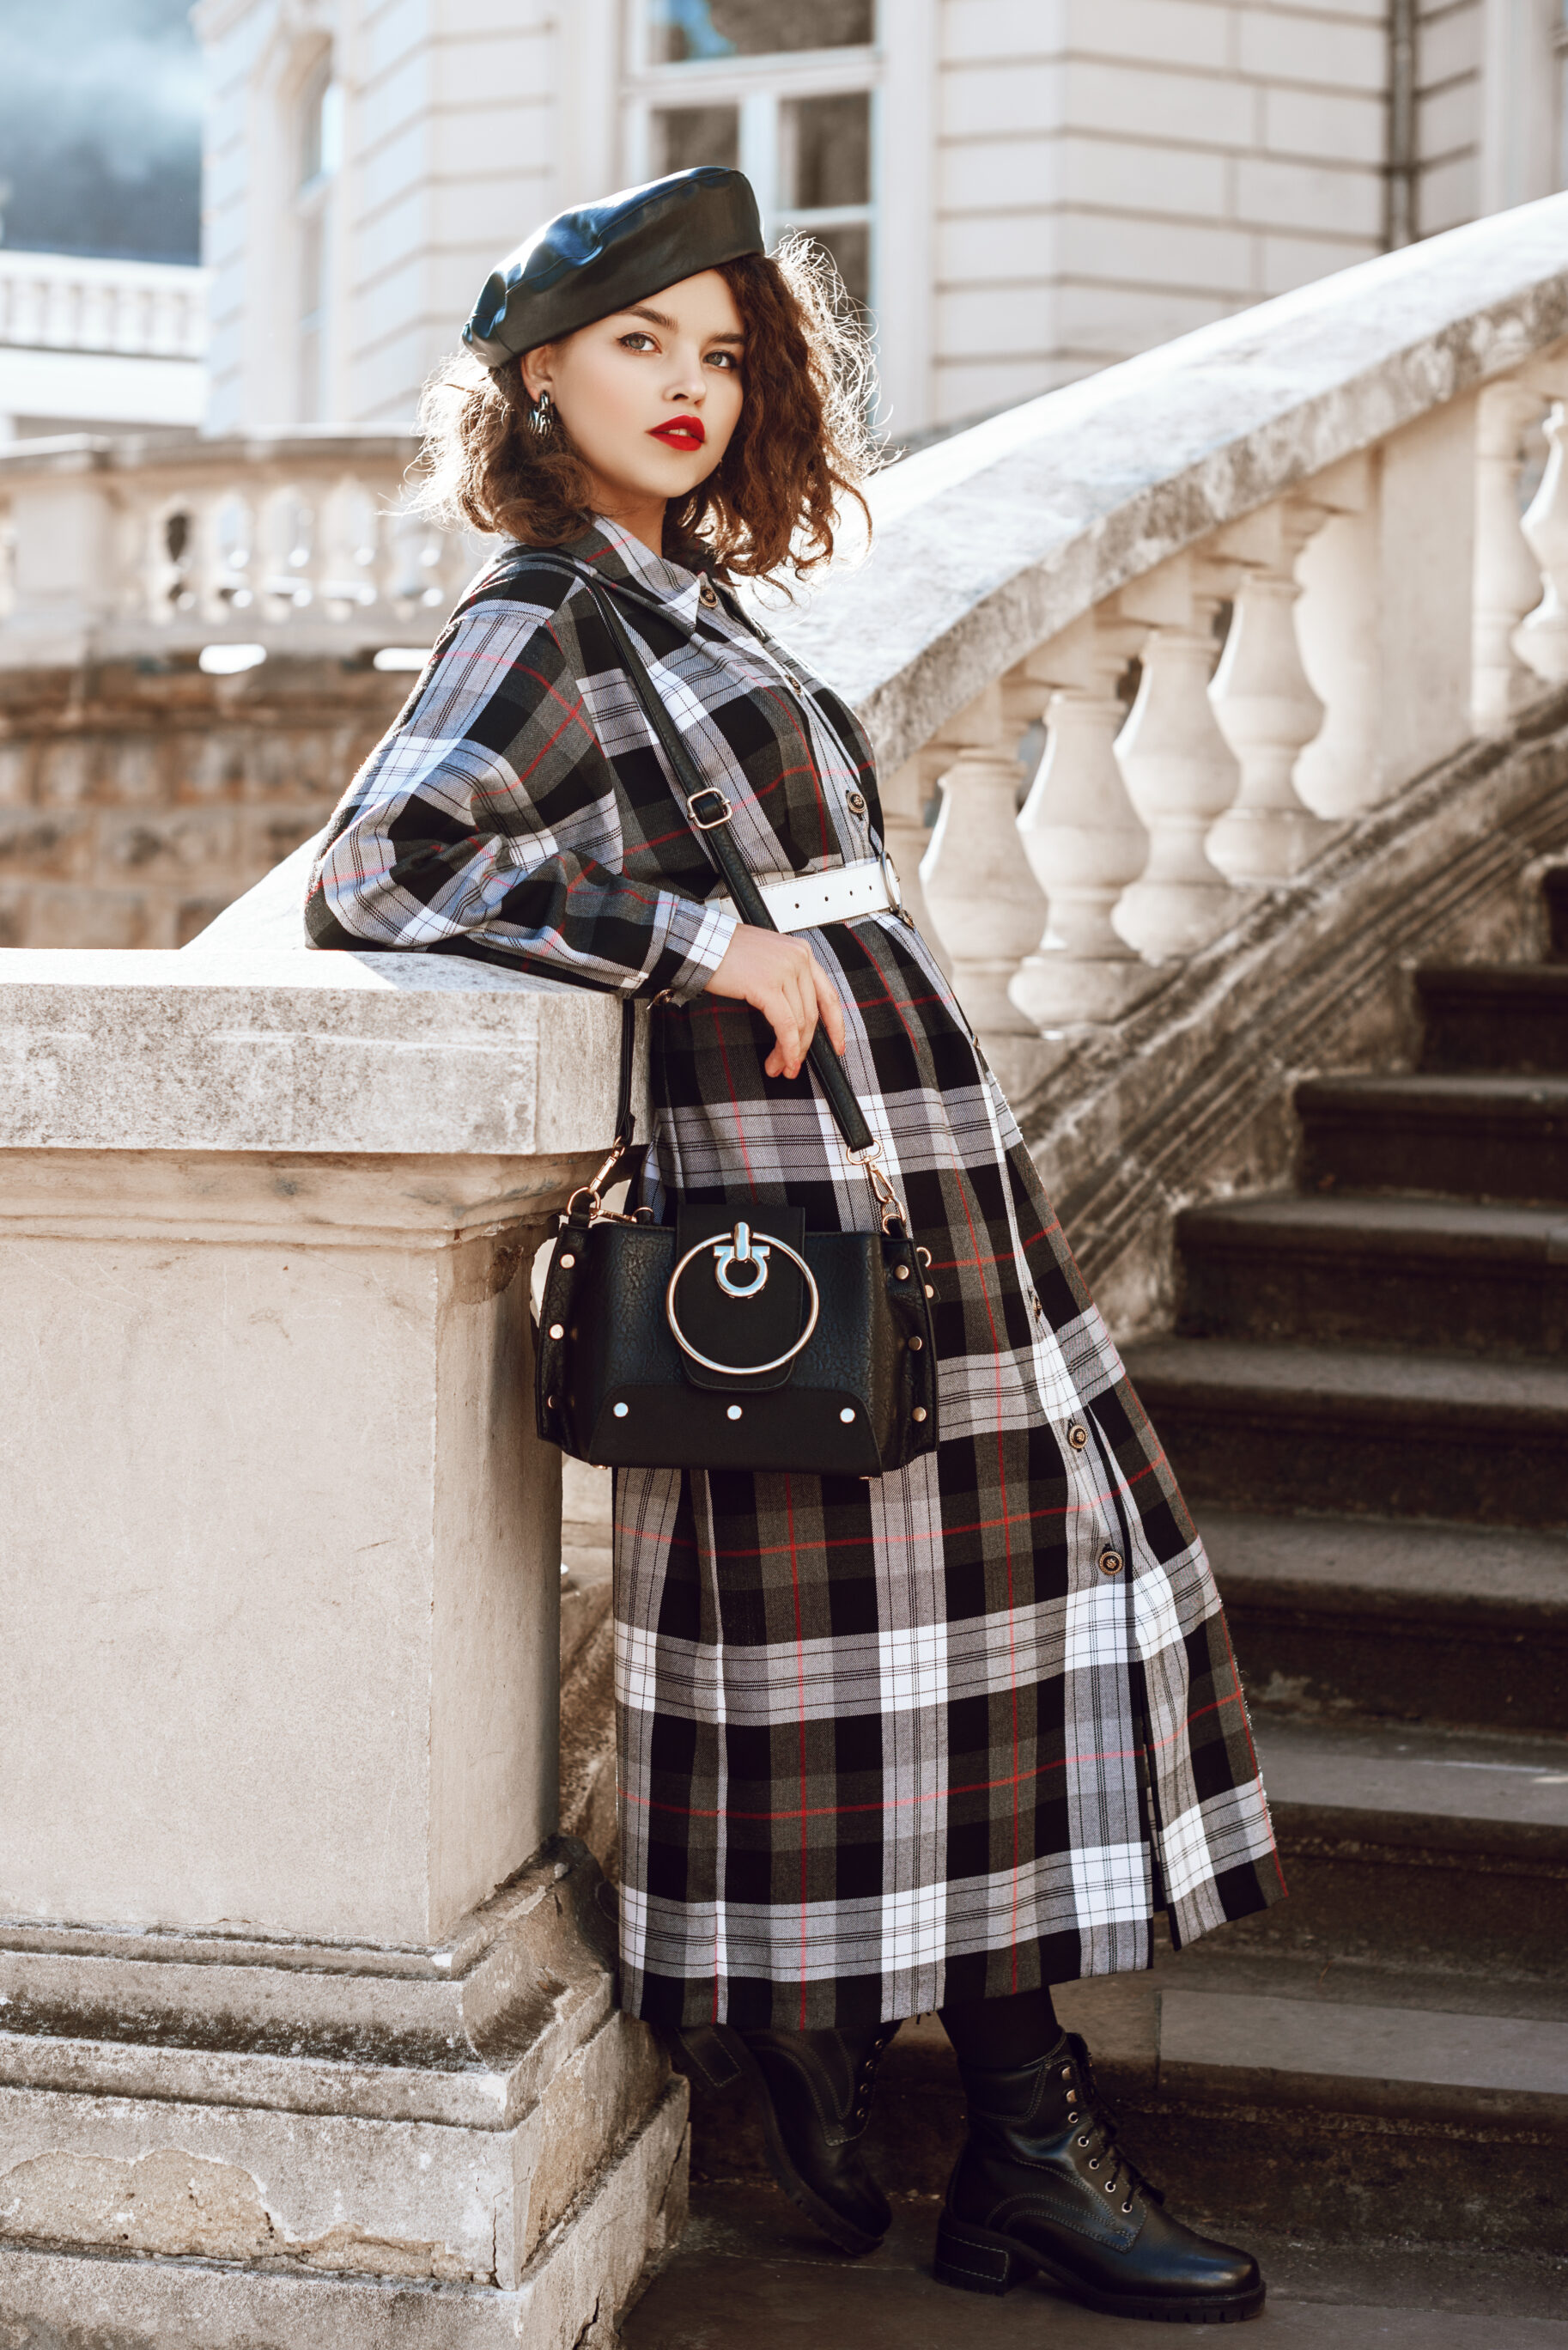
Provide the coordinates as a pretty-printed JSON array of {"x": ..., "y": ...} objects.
[{"x": 1366, "y": 1401}]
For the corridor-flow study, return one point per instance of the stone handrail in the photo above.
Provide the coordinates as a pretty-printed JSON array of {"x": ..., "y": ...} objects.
[{"x": 67, "y": 302}]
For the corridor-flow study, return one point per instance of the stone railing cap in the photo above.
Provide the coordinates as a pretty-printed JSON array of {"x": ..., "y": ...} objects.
[{"x": 279, "y": 1049}]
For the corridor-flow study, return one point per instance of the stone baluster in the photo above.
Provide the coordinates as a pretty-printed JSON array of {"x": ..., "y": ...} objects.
[
  {"x": 1506, "y": 577},
  {"x": 348, "y": 535},
  {"x": 904, "y": 796},
  {"x": 1541, "y": 640},
  {"x": 1179, "y": 771},
  {"x": 1338, "y": 618},
  {"x": 977, "y": 890},
  {"x": 1082, "y": 836},
  {"x": 1266, "y": 707}
]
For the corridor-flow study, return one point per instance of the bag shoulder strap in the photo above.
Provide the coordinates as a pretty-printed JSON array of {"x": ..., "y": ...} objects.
[{"x": 709, "y": 811}]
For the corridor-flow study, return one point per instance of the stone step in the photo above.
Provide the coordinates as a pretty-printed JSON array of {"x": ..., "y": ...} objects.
[
  {"x": 1495, "y": 1015},
  {"x": 1450, "y": 1274},
  {"x": 1335, "y": 1617},
  {"x": 1422, "y": 2109},
  {"x": 1359, "y": 1430},
  {"x": 1495, "y": 1137},
  {"x": 1443, "y": 1850},
  {"x": 749, "y": 2269}
]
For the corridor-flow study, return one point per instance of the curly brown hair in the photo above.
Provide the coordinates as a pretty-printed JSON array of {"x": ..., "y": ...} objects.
[{"x": 803, "y": 442}]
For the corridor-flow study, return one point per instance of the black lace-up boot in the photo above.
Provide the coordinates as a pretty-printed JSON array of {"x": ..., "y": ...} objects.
[
  {"x": 1041, "y": 2186},
  {"x": 813, "y": 2090}
]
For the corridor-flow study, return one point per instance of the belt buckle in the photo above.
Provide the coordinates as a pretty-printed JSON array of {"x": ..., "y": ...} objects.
[{"x": 710, "y": 823}]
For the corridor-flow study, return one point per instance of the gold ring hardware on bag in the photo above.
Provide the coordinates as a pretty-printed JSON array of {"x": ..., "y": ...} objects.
[{"x": 741, "y": 1248}]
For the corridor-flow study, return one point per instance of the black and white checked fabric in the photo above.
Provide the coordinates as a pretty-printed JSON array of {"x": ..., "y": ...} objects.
[{"x": 941, "y": 1735}]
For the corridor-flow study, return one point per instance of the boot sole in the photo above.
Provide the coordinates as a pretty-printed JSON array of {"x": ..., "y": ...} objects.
[
  {"x": 840, "y": 2231},
  {"x": 975, "y": 2260}
]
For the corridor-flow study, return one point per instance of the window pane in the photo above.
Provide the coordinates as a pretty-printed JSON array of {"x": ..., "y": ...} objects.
[
  {"x": 850, "y": 247},
  {"x": 827, "y": 153},
  {"x": 755, "y": 29},
  {"x": 687, "y": 135}
]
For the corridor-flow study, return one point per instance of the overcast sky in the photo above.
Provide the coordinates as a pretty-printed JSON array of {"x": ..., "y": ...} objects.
[{"x": 100, "y": 127}]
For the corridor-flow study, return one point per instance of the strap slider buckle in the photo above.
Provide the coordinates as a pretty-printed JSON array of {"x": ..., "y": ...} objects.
[{"x": 709, "y": 823}]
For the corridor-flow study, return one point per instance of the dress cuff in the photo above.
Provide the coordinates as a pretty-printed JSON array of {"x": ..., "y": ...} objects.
[{"x": 695, "y": 942}]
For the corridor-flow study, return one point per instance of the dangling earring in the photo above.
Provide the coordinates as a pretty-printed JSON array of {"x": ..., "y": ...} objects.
[{"x": 543, "y": 419}]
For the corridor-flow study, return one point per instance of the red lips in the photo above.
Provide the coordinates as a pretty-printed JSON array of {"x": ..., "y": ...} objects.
[{"x": 682, "y": 432}]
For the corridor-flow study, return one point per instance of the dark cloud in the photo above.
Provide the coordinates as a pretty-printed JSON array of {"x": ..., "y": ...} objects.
[{"x": 100, "y": 127}]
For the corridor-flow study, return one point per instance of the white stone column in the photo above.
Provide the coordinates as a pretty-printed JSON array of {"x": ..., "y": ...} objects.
[
  {"x": 905, "y": 793},
  {"x": 1541, "y": 640},
  {"x": 1339, "y": 628},
  {"x": 278, "y": 1748},
  {"x": 1507, "y": 575},
  {"x": 1083, "y": 838},
  {"x": 1179, "y": 771},
  {"x": 979, "y": 891},
  {"x": 1267, "y": 710}
]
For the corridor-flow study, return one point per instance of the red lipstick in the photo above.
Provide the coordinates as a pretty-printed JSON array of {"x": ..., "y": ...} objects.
[{"x": 682, "y": 432}]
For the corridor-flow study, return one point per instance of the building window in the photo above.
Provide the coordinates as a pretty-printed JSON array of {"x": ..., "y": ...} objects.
[
  {"x": 320, "y": 156},
  {"x": 786, "y": 92},
  {"x": 687, "y": 31}
]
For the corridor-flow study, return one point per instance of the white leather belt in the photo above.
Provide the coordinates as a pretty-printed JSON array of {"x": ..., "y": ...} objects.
[{"x": 805, "y": 901}]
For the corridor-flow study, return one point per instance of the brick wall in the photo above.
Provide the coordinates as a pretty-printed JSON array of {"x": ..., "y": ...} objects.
[{"x": 137, "y": 800}]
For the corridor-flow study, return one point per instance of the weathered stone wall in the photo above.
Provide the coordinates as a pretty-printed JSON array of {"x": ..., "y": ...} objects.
[{"x": 140, "y": 798}]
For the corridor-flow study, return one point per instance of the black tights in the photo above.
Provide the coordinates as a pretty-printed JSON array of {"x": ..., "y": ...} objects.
[{"x": 998, "y": 2035}]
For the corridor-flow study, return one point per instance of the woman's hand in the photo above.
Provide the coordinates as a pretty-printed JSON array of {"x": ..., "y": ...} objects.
[{"x": 782, "y": 980}]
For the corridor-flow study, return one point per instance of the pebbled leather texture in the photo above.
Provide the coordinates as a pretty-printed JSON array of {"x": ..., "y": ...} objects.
[{"x": 616, "y": 1347}]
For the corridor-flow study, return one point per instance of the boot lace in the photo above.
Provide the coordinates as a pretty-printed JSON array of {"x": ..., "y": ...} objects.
[{"x": 1097, "y": 2129}]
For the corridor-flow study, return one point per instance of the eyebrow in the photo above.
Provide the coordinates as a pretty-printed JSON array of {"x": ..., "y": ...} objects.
[{"x": 672, "y": 325}]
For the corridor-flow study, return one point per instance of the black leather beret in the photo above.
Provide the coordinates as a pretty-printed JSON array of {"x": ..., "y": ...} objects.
[{"x": 588, "y": 263}]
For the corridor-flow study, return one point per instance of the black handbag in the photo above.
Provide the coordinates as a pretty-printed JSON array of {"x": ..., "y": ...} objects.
[{"x": 734, "y": 1339}]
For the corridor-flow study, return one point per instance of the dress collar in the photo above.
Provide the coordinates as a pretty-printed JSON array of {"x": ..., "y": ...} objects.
[{"x": 616, "y": 554}]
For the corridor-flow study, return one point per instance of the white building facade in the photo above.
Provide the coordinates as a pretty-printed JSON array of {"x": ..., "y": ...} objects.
[{"x": 1022, "y": 190}]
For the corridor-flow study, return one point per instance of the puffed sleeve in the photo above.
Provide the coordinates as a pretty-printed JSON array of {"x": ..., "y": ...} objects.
[{"x": 485, "y": 823}]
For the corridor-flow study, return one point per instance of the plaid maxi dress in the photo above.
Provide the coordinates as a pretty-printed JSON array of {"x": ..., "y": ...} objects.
[{"x": 945, "y": 1734}]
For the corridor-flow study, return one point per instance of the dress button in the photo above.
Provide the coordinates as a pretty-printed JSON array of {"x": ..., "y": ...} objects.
[
  {"x": 1077, "y": 1436},
  {"x": 858, "y": 803},
  {"x": 792, "y": 681},
  {"x": 707, "y": 593},
  {"x": 1110, "y": 1561}
]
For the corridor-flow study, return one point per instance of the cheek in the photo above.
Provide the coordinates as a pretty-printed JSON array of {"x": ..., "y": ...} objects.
[
  {"x": 726, "y": 398},
  {"x": 602, "y": 404}
]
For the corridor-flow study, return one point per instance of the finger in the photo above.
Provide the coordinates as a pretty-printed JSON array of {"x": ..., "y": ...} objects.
[
  {"x": 830, "y": 1009},
  {"x": 785, "y": 1018},
  {"x": 808, "y": 1010}
]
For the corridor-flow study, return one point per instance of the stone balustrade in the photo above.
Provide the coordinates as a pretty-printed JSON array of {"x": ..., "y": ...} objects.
[
  {"x": 67, "y": 302},
  {"x": 300, "y": 544},
  {"x": 1255, "y": 582}
]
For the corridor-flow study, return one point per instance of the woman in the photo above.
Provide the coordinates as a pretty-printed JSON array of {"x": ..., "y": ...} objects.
[{"x": 935, "y": 1740}]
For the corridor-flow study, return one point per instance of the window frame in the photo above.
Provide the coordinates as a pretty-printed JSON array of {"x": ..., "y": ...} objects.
[{"x": 759, "y": 88}]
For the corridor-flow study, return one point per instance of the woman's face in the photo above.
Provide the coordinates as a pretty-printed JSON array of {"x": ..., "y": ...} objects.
[{"x": 651, "y": 395}]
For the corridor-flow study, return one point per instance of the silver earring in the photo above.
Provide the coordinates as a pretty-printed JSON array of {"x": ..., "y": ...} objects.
[{"x": 542, "y": 418}]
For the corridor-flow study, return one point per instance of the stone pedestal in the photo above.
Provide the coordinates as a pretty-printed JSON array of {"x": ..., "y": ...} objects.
[{"x": 296, "y": 1977}]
